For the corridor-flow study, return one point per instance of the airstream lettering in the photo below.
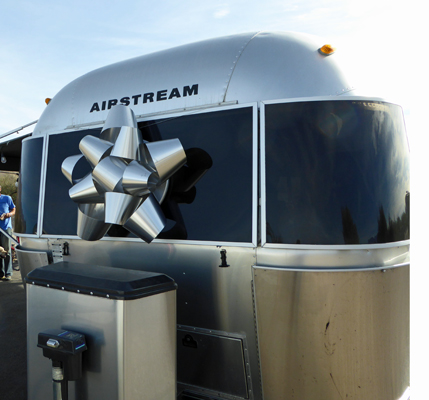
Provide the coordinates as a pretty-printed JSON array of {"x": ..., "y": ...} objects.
[
  {"x": 278, "y": 206},
  {"x": 147, "y": 97}
]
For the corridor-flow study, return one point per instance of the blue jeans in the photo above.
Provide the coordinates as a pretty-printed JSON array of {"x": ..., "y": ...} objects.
[{"x": 6, "y": 263}]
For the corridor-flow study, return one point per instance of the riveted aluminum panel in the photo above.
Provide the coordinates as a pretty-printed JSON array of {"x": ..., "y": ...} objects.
[
  {"x": 278, "y": 65},
  {"x": 241, "y": 68},
  {"x": 168, "y": 75},
  {"x": 337, "y": 334},
  {"x": 208, "y": 296}
]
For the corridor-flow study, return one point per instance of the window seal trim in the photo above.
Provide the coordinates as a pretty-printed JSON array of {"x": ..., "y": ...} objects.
[
  {"x": 376, "y": 267},
  {"x": 262, "y": 180},
  {"x": 42, "y": 185},
  {"x": 155, "y": 241},
  {"x": 327, "y": 98},
  {"x": 362, "y": 246}
]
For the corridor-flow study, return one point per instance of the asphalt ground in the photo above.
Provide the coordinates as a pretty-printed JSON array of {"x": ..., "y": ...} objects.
[{"x": 13, "y": 339}]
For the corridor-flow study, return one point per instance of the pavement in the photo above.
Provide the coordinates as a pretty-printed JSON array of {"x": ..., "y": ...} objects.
[{"x": 13, "y": 339}]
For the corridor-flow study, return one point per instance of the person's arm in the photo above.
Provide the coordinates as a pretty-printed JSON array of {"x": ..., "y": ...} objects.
[{"x": 8, "y": 214}]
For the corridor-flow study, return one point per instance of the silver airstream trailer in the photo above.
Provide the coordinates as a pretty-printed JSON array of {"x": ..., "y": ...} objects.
[{"x": 252, "y": 172}]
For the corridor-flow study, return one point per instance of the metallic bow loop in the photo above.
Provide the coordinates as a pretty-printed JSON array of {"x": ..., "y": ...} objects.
[
  {"x": 90, "y": 222},
  {"x": 165, "y": 157},
  {"x": 148, "y": 221},
  {"x": 128, "y": 181},
  {"x": 117, "y": 118},
  {"x": 127, "y": 143},
  {"x": 107, "y": 175},
  {"x": 85, "y": 192},
  {"x": 68, "y": 167},
  {"x": 94, "y": 149},
  {"x": 119, "y": 207},
  {"x": 138, "y": 180}
]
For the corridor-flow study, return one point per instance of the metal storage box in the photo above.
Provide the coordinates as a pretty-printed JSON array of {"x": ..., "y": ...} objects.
[{"x": 128, "y": 318}]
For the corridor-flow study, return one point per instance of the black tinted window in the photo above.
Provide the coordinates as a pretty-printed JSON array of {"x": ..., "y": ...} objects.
[
  {"x": 336, "y": 173},
  {"x": 219, "y": 206},
  {"x": 29, "y": 186},
  {"x": 60, "y": 212},
  {"x": 209, "y": 199}
]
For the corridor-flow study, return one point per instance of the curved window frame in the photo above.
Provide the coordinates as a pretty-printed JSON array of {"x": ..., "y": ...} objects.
[
  {"x": 262, "y": 178},
  {"x": 41, "y": 190},
  {"x": 161, "y": 116}
]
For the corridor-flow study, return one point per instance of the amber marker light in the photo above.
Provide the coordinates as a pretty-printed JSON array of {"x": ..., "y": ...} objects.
[
  {"x": 47, "y": 100},
  {"x": 327, "y": 50}
]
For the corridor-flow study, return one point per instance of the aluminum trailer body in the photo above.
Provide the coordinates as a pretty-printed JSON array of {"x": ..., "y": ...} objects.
[{"x": 291, "y": 251}]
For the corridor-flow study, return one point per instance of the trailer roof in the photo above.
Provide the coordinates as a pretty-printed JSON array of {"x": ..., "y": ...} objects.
[{"x": 241, "y": 68}]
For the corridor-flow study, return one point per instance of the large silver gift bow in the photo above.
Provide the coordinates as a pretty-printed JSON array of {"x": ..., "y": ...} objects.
[{"x": 128, "y": 181}]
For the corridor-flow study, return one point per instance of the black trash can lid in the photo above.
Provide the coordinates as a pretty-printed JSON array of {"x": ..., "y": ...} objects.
[{"x": 97, "y": 280}]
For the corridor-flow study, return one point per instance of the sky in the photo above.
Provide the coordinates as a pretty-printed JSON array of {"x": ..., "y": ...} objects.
[{"x": 46, "y": 44}]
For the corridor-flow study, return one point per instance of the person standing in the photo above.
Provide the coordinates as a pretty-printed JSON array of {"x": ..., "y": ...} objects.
[{"x": 7, "y": 210}]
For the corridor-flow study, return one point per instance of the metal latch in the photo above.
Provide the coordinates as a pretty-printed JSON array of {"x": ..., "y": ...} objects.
[
  {"x": 53, "y": 343},
  {"x": 224, "y": 264}
]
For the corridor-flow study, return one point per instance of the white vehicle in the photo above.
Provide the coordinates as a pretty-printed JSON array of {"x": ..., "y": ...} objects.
[{"x": 276, "y": 195}]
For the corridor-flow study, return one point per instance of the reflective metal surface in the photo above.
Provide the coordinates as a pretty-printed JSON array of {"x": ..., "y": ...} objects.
[
  {"x": 208, "y": 297},
  {"x": 138, "y": 180},
  {"x": 85, "y": 191},
  {"x": 30, "y": 259},
  {"x": 324, "y": 257},
  {"x": 327, "y": 335},
  {"x": 114, "y": 123},
  {"x": 119, "y": 207},
  {"x": 91, "y": 225},
  {"x": 147, "y": 221},
  {"x": 120, "y": 181},
  {"x": 131, "y": 344},
  {"x": 127, "y": 143},
  {"x": 68, "y": 166},
  {"x": 107, "y": 174},
  {"x": 94, "y": 149},
  {"x": 335, "y": 334},
  {"x": 165, "y": 157},
  {"x": 207, "y": 73}
]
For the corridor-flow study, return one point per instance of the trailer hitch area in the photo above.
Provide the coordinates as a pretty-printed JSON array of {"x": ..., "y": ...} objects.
[{"x": 189, "y": 341}]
